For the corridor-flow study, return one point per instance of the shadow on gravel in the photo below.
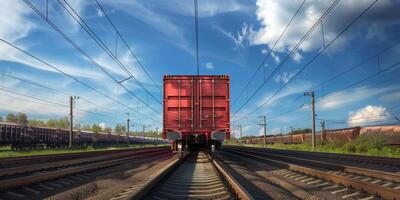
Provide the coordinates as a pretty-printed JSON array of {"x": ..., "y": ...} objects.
[{"x": 246, "y": 182}]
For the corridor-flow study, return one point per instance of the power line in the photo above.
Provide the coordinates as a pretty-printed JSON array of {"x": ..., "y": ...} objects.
[
  {"x": 84, "y": 53},
  {"x": 347, "y": 87},
  {"x": 94, "y": 36},
  {"x": 58, "y": 90},
  {"x": 269, "y": 53},
  {"x": 196, "y": 22},
  {"x": 73, "y": 78},
  {"x": 377, "y": 55},
  {"x": 316, "y": 56},
  {"x": 283, "y": 61},
  {"x": 53, "y": 102},
  {"x": 126, "y": 44}
]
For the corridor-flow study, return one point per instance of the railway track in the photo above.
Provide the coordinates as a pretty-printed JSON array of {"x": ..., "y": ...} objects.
[
  {"x": 15, "y": 161},
  {"x": 35, "y": 177},
  {"x": 348, "y": 182},
  {"x": 371, "y": 162},
  {"x": 197, "y": 176}
]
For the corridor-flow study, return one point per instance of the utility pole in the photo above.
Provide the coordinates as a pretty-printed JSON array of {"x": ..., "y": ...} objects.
[
  {"x": 240, "y": 129},
  {"x": 264, "y": 123},
  {"x": 71, "y": 119},
  {"x": 144, "y": 128},
  {"x": 312, "y": 94},
  {"x": 71, "y": 102},
  {"x": 322, "y": 130},
  {"x": 127, "y": 128}
]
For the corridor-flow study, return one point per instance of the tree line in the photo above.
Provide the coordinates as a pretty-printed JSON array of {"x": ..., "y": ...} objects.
[{"x": 22, "y": 118}]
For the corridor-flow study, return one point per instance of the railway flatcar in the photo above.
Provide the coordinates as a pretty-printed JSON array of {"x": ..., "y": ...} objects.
[{"x": 196, "y": 111}]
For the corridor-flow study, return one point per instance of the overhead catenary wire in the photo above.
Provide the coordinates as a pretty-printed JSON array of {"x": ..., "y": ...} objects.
[
  {"x": 73, "y": 78},
  {"x": 269, "y": 52},
  {"x": 95, "y": 37},
  {"x": 351, "y": 68},
  {"x": 126, "y": 44},
  {"x": 84, "y": 53},
  {"x": 196, "y": 22},
  {"x": 53, "y": 102},
  {"x": 60, "y": 91},
  {"x": 317, "y": 55},
  {"x": 347, "y": 87},
  {"x": 285, "y": 59}
]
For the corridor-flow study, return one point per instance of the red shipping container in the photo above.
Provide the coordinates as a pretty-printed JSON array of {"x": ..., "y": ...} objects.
[{"x": 196, "y": 108}]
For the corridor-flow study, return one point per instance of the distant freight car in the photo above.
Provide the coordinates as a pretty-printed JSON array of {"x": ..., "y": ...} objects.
[
  {"x": 20, "y": 136},
  {"x": 196, "y": 110}
]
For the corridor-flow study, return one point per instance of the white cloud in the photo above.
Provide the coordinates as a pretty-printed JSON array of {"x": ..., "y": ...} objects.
[
  {"x": 393, "y": 96},
  {"x": 13, "y": 23},
  {"x": 145, "y": 12},
  {"x": 79, "y": 7},
  {"x": 206, "y": 8},
  {"x": 276, "y": 58},
  {"x": 346, "y": 97},
  {"x": 367, "y": 115},
  {"x": 242, "y": 38},
  {"x": 284, "y": 77},
  {"x": 290, "y": 90},
  {"x": 99, "y": 13},
  {"x": 209, "y": 65},
  {"x": 274, "y": 15},
  {"x": 103, "y": 125}
]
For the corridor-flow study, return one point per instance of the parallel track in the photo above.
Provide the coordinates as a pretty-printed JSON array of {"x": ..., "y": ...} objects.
[
  {"x": 340, "y": 177},
  {"x": 16, "y": 177}
]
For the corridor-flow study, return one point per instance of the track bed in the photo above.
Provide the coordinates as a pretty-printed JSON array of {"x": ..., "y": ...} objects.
[{"x": 195, "y": 178}]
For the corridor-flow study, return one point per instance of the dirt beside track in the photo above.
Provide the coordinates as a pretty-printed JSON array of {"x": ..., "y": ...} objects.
[
  {"x": 259, "y": 180},
  {"x": 110, "y": 185}
]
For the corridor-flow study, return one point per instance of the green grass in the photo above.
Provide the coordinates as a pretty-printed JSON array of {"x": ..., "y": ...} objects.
[
  {"x": 363, "y": 145},
  {"x": 4, "y": 154}
]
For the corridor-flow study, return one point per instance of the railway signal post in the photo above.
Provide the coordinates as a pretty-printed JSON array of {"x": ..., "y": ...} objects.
[{"x": 312, "y": 94}]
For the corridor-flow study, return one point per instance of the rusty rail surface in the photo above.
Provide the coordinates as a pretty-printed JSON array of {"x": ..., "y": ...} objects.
[{"x": 319, "y": 169}]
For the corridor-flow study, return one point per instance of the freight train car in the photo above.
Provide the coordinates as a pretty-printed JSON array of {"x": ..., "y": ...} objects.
[
  {"x": 20, "y": 136},
  {"x": 196, "y": 111}
]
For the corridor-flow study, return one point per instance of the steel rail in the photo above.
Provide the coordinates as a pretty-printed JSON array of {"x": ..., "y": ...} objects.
[
  {"x": 62, "y": 156},
  {"x": 49, "y": 165},
  {"x": 46, "y": 176},
  {"x": 385, "y": 192},
  {"x": 234, "y": 185}
]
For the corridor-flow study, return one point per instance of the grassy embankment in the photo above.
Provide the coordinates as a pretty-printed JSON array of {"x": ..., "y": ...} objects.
[
  {"x": 363, "y": 145},
  {"x": 5, "y": 151}
]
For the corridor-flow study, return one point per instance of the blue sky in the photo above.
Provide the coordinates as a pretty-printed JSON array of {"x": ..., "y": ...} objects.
[{"x": 234, "y": 38}]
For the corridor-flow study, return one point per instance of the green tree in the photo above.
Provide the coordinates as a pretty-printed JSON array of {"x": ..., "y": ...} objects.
[
  {"x": 36, "y": 122},
  {"x": 86, "y": 127},
  {"x": 63, "y": 123},
  {"x": 1, "y": 119},
  {"x": 51, "y": 123},
  {"x": 108, "y": 130},
  {"x": 11, "y": 118},
  {"x": 299, "y": 131},
  {"x": 119, "y": 129},
  {"x": 96, "y": 128},
  {"x": 22, "y": 118}
]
